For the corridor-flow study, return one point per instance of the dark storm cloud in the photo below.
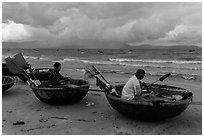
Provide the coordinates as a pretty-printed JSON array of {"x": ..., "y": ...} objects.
[{"x": 92, "y": 24}]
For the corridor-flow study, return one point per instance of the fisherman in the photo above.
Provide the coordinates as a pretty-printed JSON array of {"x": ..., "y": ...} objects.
[
  {"x": 55, "y": 77},
  {"x": 133, "y": 88}
]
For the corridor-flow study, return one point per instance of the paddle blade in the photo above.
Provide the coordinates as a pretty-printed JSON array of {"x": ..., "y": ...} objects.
[
  {"x": 164, "y": 77},
  {"x": 13, "y": 66},
  {"x": 21, "y": 61},
  {"x": 90, "y": 72}
]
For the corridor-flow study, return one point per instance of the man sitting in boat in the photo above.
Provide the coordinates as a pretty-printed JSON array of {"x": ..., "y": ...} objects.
[
  {"x": 55, "y": 77},
  {"x": 132, "y": 88}
]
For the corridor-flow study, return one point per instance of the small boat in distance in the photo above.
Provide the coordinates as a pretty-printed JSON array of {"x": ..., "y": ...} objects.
[
  {"x": 192, "y": 50},
  {"x": 82, "y": 51},
  {"x": 100, "y": 51},
  {"x": 130, "y": 51}
]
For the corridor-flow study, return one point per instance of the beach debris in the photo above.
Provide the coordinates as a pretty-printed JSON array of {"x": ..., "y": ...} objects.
[
  {"x": 58, "y": 118},
  {"x": 188, "y": 78},
  {"x": 94, "y": 112},
  {"x": 85, "y": 120},
  {"x": 27, "y": 130},
  {"x": 122, "y": 133},
  {"x": 19, "y": 122},
  {"x": 43, "y": 120},
  {"x": 88, "y": 104},
  {"x": 9, "y": 111},
  {"x": 113, "y": 124}
]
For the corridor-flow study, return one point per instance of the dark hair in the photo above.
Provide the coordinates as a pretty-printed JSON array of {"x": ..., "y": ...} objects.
[
  {"x": 56, "y": 65},
  {"x": 140, "y": 71}
]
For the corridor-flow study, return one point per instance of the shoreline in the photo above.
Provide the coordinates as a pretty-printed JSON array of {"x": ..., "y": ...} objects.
[{"x": 20, "y": 103}]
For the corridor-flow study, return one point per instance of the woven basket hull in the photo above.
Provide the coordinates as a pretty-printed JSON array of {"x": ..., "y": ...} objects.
[
  {"x": 146, "y": 110},
  {"x": 9, "y": 82},
  {"x": 5, "y": 70},
  {"x": 64, "y": 95}
]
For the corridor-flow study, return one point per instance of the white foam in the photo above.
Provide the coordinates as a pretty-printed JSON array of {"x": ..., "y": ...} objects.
[{"x": 156, "y": 61}]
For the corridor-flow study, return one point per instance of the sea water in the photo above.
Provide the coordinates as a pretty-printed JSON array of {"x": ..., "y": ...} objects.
[{"x": 156, "y": 62}]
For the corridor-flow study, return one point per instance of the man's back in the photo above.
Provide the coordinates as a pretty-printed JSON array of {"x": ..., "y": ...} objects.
[
  {"x": 55, "y": 78},
  {"x": 131, "y": 88}
]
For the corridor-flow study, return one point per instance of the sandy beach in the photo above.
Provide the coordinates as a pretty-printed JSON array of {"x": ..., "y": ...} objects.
[
  {"x": 20, "y": 104},
  {"x": 118, "y": 38}
]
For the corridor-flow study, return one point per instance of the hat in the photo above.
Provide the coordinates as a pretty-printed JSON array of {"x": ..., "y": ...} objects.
[{"x": 140, "y": 71}]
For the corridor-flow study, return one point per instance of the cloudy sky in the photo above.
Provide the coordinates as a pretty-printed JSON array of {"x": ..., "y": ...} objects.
[{"x": 109, "y": 25}]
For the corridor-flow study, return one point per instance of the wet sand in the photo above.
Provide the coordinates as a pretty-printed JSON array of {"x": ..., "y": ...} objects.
[{"x": 20, "y": 104}]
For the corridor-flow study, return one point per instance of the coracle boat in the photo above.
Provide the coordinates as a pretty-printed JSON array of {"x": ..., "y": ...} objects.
[
  {"x": 41, "y": 74},
  {"x": 75, "y": 91},
  {"x": 7, "y": 82},
  {"x": 5, "y": 70},
  {"x": 152, "y": 109}
]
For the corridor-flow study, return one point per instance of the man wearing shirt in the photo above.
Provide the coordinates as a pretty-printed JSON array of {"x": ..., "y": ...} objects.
[
  {"x": 55, "y": 77},
  {"x": 132, "y": 88}
]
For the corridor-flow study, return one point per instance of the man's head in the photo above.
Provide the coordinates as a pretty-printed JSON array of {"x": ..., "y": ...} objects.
[
  {"x": 140, "y": 73},
  {"x": 57, "y": 66}
]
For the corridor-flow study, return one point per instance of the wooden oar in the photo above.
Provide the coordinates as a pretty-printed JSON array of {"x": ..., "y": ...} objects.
[
  {"x": 100, "y": 74},
  {"x": 99, "y": 90},
  {"x": 161, "y": 78}
]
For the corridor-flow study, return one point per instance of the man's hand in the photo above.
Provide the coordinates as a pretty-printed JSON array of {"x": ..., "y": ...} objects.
[
  {"x": 66, "y": 79},
  {"x": 144, "y": 86}
]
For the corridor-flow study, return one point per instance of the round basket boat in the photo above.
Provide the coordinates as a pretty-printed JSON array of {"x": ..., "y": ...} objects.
[
  {"x": 75, "y": 91},
  {"x": 41, "y": 74},
  {"x": 5, "y": 70},
  {"x": 151, "y": 110},
  {"x": 7, "y": 82}
]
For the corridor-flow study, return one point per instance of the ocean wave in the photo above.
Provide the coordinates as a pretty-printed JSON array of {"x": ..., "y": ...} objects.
[
  {"x": 138, "y": 65},
  {"x": 161, "y": 73},
  {"x": 132, "y": 64},
  {"x": 122, "y": 62},
  {"x": 156, "y": 61},
  {"x": 31, "y": 57}
]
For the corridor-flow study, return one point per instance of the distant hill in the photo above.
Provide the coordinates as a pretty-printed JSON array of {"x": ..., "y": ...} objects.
[
  {"x": 36, "y": 45},
  {"x": 24, "y": 45}
]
